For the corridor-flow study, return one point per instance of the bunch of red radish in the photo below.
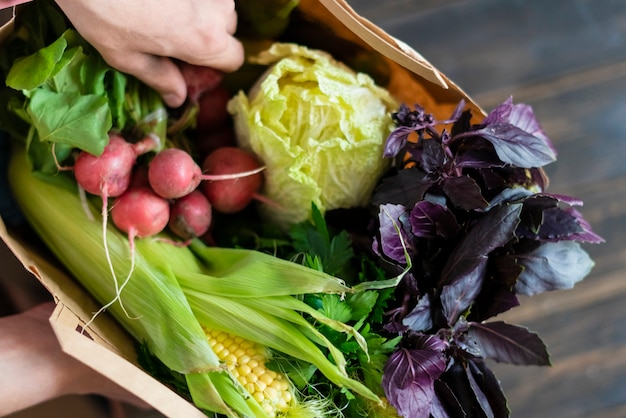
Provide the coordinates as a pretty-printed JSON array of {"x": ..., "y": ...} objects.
[{"x": 172, "y": 189}]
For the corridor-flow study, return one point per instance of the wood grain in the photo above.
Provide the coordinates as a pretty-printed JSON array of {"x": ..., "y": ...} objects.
[{"x": 567, "y": 59}]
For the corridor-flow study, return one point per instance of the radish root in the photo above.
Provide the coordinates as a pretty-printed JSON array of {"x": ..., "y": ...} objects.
[{"x": 118, "y": 287}]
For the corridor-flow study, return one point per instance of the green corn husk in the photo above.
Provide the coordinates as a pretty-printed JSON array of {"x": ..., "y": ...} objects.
[{"x": 173, "y": 290}]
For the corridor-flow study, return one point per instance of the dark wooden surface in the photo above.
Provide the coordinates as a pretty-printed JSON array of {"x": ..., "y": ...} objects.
[{"x": 566, "y": 58}]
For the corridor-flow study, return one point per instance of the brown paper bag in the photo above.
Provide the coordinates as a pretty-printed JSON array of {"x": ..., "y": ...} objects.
[{"x": 105, "y": 346}]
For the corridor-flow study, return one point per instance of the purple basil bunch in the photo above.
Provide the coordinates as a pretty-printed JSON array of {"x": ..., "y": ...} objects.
[{"x": 465, "y": 220}]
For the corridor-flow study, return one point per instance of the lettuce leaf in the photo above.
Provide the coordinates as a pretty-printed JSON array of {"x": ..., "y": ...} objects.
[{"x": 319, "y": 128}]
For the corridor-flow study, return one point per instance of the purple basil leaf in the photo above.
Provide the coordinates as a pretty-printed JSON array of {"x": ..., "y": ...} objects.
[
  {"x": 419, "y": 319},
  {"x": 500, "y": 113},
  {"x": 406, "y": 187},
  {"x": 556, "y": 224},
  {"x": 496, "y": 297},
  {"x": 481, "y": 397},
  {"x": 552, "y": 266},
  {"x": 550, "y": 222},
  {"x": 396, "y": 141},
  {"x": 506, "y": 343},
  {"x": 478, "y": 158},
  {"x": 445, "y": 403},
  {"x": 456, "y": 113},
  {"x": 462, "y": 275},
  {"x": 459, "y": 295},
  {"x": 430, "y": 220},
  {"x": 464, "y": 193},
  {"x": 455, "y": 377},
  {"x": 395, "y": 237},
  {"x": 587, "y": 235},
  {"x": 490, "y": 387},
  {"x": 438, "y": 409},
  {"x": 520, "y": 115},
  {"x": 572, "y": 201},
  {"x": 433, "y": 156},
  {"x": 516, "y": 146},
  {"x": 427, "y": 342},
  {"x": 408, "y": 378},
  {"x": 509, "y": 195}
]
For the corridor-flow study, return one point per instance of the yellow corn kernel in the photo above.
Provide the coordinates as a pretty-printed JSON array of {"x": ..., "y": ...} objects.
[{"x": 246, "y": 362}]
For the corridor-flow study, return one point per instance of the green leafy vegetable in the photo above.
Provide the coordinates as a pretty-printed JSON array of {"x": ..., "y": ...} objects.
[
  {"x": 319, "y": 128},
  {"x": 69, "y": 97}
]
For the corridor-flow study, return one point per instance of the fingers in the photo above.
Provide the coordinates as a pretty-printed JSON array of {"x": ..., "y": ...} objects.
[
  {"x": 231, "y": 23},
  {"x": 160, "y": 73},
  {"x": 194, "y": 36},
  {"x": 227, "y": 57},
  {"x": 216, "y": 48}
]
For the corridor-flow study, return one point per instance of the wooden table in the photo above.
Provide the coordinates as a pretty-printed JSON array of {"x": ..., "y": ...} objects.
[{"x": 568, "y": 60}]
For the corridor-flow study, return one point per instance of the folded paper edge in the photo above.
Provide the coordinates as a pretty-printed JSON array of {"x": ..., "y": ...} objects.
[
  {"x": 66, "y": 326},
  {"x": 384, "y": 43}
]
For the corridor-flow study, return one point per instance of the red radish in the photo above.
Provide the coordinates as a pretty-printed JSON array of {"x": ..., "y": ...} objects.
[
  {"x": 140, "y": 213},
  {"x": 199, "y": 79},
  {"x": 109, "y": 174},
  {"x": 209, "y": 141},
  {"x": 190, "y": 216},
  {"x": 173, "y": 173},
  {"x": 212, "y": 111},
  {"x": 230, "y": 196}
]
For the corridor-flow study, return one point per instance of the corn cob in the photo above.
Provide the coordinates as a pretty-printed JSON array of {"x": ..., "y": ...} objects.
[
  {"x": 173, "y": 290},
  {"x": 246, "y": 362}
]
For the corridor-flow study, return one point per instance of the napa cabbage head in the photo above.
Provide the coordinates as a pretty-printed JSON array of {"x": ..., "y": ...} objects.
[{"x": 318, "y": 126}]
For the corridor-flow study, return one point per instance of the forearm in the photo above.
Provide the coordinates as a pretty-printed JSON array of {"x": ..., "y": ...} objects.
[{"x": 33, "y": 369}]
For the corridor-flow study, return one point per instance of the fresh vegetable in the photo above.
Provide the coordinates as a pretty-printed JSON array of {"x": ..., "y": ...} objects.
[
  {"x": 318, "y": 127},
  {"x": 466, "y": 212},
  {"x": 212, "y": 112},
  {"x": 109, "y": 174},
  {"x": 173, "y": 173},
  {"x": 199, "y": 80},
  {"x": 264, "y": 18},
  {"x": 246, "y": 361},
  {"x": 71, "y": 99},
  {"x": 230, "y": 196},
  {"x": 397, "y": 264},
  {"x": 190, "y": 215},
  {"x": 176, "y": 291},
  {"x": 207, "y": 142},
  {"x": 140, "y": 213}
]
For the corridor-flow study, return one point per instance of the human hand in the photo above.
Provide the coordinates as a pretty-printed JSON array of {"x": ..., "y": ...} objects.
[
  {"x": 142, "y": 37},
  {"x": 34, "y": 369}
]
